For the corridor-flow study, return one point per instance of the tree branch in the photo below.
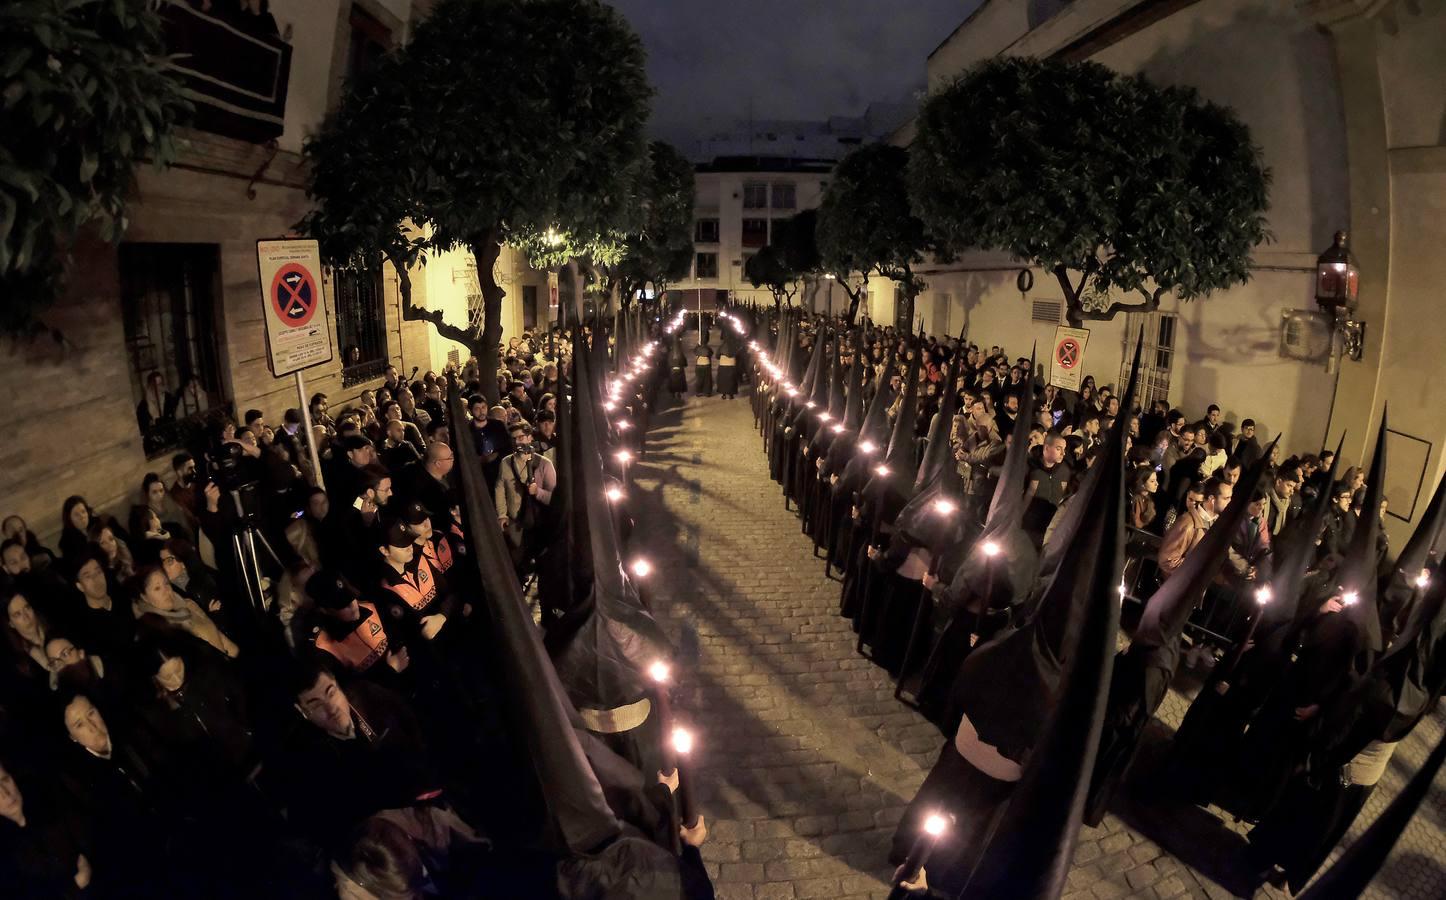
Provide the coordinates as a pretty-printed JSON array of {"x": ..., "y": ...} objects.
[
  {"x": 412, "y": 313},
  {"x": 1152, "y": 303}
]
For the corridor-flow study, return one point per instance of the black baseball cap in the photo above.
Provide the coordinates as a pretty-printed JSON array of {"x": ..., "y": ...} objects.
[
  {"x": 397, "y": 535},
  {"x": 414, "y": 513},
  {"x": 330, "y": 590}
]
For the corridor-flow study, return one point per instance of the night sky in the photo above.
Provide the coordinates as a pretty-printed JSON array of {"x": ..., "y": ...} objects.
[{"x": 792, "y": 59}]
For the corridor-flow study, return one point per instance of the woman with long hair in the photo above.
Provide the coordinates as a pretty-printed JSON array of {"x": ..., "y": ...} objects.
[
  {"x": 1143, "y": 484},
  {"x": 75, "y": 516},
  {"x": 114, "y": 552}
]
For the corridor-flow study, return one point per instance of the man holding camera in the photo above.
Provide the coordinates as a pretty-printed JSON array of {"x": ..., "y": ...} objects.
[{"x": 523, "y": 496}]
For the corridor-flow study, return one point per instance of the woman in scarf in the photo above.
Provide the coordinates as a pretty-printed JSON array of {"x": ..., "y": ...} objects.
[{"x": 155, "y": 598}]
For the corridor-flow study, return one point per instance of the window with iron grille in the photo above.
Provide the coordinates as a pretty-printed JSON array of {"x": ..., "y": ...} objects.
[
  {"x": 1157, "y": 356},
  {"x": 755, "y": 232},
  {"x": 705, "y": 231},
  {"x": 360, "y": 325},
  {"x": 755, "y": 196},
  {"x": 706, "y": 266},
  {"x": 172, "y": 330},
  {"x": 783, "y": 196}
]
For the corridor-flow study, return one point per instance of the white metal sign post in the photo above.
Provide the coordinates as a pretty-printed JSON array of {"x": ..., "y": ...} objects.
[
  {"x": 293, "y": 304},
  {"x": 1066, "y": 370}
]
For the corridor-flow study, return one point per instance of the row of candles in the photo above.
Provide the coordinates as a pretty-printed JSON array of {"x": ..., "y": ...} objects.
[
  {"x": 678, "y": 741},
  {"x": 935, "y": 824}
]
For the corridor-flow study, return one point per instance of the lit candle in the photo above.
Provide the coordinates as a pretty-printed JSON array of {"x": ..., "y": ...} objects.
[
  {"x": 823, "y": 416},
  {"x": 1423, "y": 580},
  {"x": 990, "y": 549},
  {"x": 1263, "y": 595},
  {"x": 1350, "y": 598},
  {"x": 934, "y": 827},
  {"x": 642, "y": 568},
  {"x": 661, "y": 674},
  {"x": 614, "y": 494},
  {"x": 882, "y": 470},
  {"x": 624, "y": 456},
  {"x": 944, "y": 507},
  {"x": 682, "y": 746},
  {"x": 622, "y": 424},
  {"x": 867, "y": 447},
  {"x": 839, "y": 428}
]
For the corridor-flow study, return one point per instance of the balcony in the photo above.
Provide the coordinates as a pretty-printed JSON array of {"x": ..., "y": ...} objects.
[{"x": 235, "y": 68}]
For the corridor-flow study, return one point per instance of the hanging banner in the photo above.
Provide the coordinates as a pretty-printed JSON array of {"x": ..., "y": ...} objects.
[
  {"x": 552, "y": 293},
  {"x": 1066, "y": 368},
  {"x": 293, "y": 303}
]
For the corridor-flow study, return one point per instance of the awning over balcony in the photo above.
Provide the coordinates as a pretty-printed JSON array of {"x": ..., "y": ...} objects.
[{"x": 235, "y": 70}]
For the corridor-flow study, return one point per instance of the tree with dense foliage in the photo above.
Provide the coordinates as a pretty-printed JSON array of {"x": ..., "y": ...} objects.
[
  {"x": 789, "y": 261},
  {"x": 87, "y": 96},
  {"x": 505, "y": 121},
  {"x": 866, "y": 224},
  {"x": 1138, "y": 189},
  {"x": 661, "y": 250}
]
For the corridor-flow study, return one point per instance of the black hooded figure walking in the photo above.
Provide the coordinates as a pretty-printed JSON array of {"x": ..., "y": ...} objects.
[
  {"x": 703, "y": 367},
  {"x": 677, "y": 368},
  {"x": 728, "y": 367}
]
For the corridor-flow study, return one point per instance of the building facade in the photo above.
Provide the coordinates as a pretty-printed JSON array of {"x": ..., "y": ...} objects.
[
  {"x": 1345, "y": 98},
  {"x": 739, "y": 202},
  {"x": 180, "y": 294}
]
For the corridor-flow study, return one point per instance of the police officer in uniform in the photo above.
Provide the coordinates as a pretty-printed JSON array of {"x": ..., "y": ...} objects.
[{"x": 349, "y": 633}]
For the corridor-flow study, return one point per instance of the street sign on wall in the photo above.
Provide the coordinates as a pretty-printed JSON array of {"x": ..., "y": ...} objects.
[
  {"x": 1066, "y": 365},
  {"x": 293, "y": 303}
]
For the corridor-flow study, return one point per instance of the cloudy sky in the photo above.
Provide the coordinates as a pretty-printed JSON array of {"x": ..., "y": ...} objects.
[{"x": 710, "y": 60}]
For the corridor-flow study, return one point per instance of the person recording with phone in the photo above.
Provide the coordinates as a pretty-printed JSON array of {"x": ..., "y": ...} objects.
[{"x": 524, "y": 496}]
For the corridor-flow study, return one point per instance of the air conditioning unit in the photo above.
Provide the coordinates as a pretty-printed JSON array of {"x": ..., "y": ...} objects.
[{"x": 1305, "y": 335}]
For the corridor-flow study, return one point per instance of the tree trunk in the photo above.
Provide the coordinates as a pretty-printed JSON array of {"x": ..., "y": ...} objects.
[
  {"x": 411, "y": 313},
  {"x": 485, "y": 251}
]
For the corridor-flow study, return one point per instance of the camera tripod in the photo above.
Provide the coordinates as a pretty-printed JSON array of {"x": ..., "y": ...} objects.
[{"x": 245, "y": 537}]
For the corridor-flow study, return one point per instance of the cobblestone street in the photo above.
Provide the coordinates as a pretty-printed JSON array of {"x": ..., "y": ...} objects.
[{"x": 806, "y": 760}]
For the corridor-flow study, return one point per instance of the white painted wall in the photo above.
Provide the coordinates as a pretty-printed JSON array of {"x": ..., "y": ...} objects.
[{"x": 313, "y": 37}]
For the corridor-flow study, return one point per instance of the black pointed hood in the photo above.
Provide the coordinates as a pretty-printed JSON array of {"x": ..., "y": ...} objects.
[
  {"x": 892, "y": 481},
  {"x": 836, "y": 383},
  {"x": 872, "y": 444},
  {"x": 934, "y": 516},
  {"x": 823, "y": 375},
  {"x": 537, "y": 710},
  {"x": 1398, "y": 587},
  {"x": 1158, "y": 634},
  {"x": 1006, "y": 509},
  {"x": 1353, "y": 871},
  {"x": 1414, "y": 669},
  {"x": 813, "y": 373},
  {"x": 602, "y": 647},
  {"x": 1032, "y": 848},
  {"x": 1293, "y": 556},
  {"x": 854, "y": 392},
  {"x": 1358, "y": 571}
]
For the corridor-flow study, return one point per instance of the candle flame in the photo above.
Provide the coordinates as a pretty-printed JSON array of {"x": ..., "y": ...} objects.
[
  {"x": 682, "y": 740},
  {"x": 935, "y": 825},
  {"x": 823, "y": 416},
  {"x": 642, "y": 568},
  {"x": 868, "y": 447},
  {"x": 659, "y": 671},
  {"x": 1423, "y": 580},
  {"x": 990, "y": 549},
  {"x": 839, "y": 428},
  {"x": 944, "y": 507},
  {"x": 882, "y": 470},
  {"x": 624, "y": 456},
  {"x": 614, "y": 494},
  {"x": 1350, "y": 598},
  {"x": 1263, "y": 595},
  {"x": 623, "y": 424}
]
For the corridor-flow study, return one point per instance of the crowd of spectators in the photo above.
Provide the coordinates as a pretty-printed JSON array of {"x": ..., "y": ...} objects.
[{"x": 163, "y": 735}]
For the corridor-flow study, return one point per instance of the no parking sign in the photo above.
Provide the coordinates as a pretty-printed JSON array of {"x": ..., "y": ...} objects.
[
  {"x": 293, "y": 304},
  {"x": 1066, "y": 368}
]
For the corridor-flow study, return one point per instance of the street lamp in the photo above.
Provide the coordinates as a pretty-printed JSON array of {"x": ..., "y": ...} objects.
[{"x": 1337, "y": 281}]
